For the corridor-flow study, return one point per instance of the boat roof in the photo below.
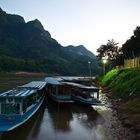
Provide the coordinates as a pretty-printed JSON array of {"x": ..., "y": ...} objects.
[
  {"x": 81, "y": 86},
  {"x": 17, "y": 93},
  {"x": 75, "y": 78},
  {"x": 24, "y": 90},
  {"x": 60, "y": 79},
  {"x": 52, "y": 80},
  {"x": 35, "y": 85}
]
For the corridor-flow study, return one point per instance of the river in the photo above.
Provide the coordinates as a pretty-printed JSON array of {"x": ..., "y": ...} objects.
[{"x": 71, "y": 122}]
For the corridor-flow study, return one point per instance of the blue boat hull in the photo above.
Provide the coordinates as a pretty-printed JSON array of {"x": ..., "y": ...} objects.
[
  {"x": 85, "y": 101},
  {"x": 61, "y": 99},
  {"x": 10, "y": 122}
]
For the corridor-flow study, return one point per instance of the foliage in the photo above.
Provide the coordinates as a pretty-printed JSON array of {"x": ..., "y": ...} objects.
[
  {"x": 123, "y": 82},
  {"x": 52, "y": 66},
  {"x": 109, "y": 77},
  {"x": 131, "y": 48},
  {"x": 109, "y": 51}
]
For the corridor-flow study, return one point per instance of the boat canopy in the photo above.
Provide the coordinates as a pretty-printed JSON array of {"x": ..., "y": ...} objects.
[
  {"x": 81, "y": 86},
  {"x": 17, "y": 93},
  {"x": 76, "y": 78},
  {"x": 35, "y": 85},
  {"x": 69, "y": 78},
  {"x": 52, "y": 80}
]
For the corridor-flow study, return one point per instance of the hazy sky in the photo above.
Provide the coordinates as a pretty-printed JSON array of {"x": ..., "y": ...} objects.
[{"x": 75, "y": 22}]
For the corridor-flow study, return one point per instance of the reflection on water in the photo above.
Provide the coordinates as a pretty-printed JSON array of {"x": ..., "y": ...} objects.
[
  {"x": 68, "y": 122},
  {"x": 61, "y": 116},
  {"x": 60, "y": 122}
]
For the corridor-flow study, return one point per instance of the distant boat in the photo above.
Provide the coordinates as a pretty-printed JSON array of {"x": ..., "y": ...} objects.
[
  {"x": 20, "y": 104},
  {"x": 84, "y": 94},
  {"x": 57, "y": 91}
]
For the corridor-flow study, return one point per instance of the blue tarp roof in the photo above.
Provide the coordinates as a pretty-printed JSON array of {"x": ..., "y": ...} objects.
[{"x": 52, "y": 80}]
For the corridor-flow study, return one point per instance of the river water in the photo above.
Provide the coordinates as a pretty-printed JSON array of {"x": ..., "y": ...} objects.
[{"x": 71, "y": 122}]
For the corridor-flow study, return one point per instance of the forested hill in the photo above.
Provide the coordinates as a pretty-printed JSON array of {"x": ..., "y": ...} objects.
[
  {"x": 29, "y": 47},
  {"x": 79, "y": 50}
]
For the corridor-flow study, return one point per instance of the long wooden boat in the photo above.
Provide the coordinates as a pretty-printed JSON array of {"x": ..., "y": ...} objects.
[
  {"x": 20, "y": 104},
  {"x": 57, "y": 91},
  {"x": 84, "y": 94}
]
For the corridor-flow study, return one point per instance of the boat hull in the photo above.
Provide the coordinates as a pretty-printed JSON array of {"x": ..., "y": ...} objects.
[
  {"x": 85, "y": 101},
  {"x": 10, "y": 122},
  {"x": 61, "y": 99}
]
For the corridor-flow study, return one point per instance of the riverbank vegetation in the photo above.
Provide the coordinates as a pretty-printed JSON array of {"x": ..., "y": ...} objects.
[
  {"x": 124, "y": 82},
  {"x": 123, "y": 87}
]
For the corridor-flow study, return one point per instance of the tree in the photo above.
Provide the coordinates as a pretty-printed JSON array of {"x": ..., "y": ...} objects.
[
  {"x": 109, "y": 51},
  {"x": 131, "y": 48}
]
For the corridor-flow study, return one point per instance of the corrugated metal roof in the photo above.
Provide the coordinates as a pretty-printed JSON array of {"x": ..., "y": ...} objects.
[
  {"x": 17, "y": 93},
  {"x": 24, "y": 90},
  {"x": 35, "y": 84}
]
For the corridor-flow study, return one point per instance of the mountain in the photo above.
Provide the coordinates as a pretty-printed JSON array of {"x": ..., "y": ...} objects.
[
  {"x": 29, "y": 47},
  {"x": 79, "y": 50}
]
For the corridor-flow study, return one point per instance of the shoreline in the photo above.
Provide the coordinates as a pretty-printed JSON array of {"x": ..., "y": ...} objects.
[{"x": 128, "y": 120}]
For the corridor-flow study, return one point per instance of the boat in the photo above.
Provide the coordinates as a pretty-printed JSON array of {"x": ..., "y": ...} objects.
[
  {"x": 57, "y": 91},
  {"x": 18, "y": 105},
  {"x": 84, "y": 94}
]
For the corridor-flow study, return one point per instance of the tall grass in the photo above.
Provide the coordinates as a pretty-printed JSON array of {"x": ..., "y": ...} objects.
[
  {"x": 124, "y": 83},
  {"x": 107, "y": 79}
]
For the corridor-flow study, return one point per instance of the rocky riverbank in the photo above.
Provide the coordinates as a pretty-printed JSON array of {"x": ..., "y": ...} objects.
[
  {"x": 128, "y": 119},
  {"x": 122, "y": 87}
]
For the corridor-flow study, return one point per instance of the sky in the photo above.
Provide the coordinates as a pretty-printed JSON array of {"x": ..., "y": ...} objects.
[{"x": 81, "y": 22}]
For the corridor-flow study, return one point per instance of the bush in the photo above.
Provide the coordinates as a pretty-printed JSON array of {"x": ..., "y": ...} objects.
[
  {"x": 123, "y": 83},
  {"x": 106, "y": 80}
]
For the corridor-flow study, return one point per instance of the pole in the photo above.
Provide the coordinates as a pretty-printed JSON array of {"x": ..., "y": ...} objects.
[
  {"x": 104, "y": 68},
  {"x": 104, "y": 62},
  {"x": 89, "y": 68}
]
